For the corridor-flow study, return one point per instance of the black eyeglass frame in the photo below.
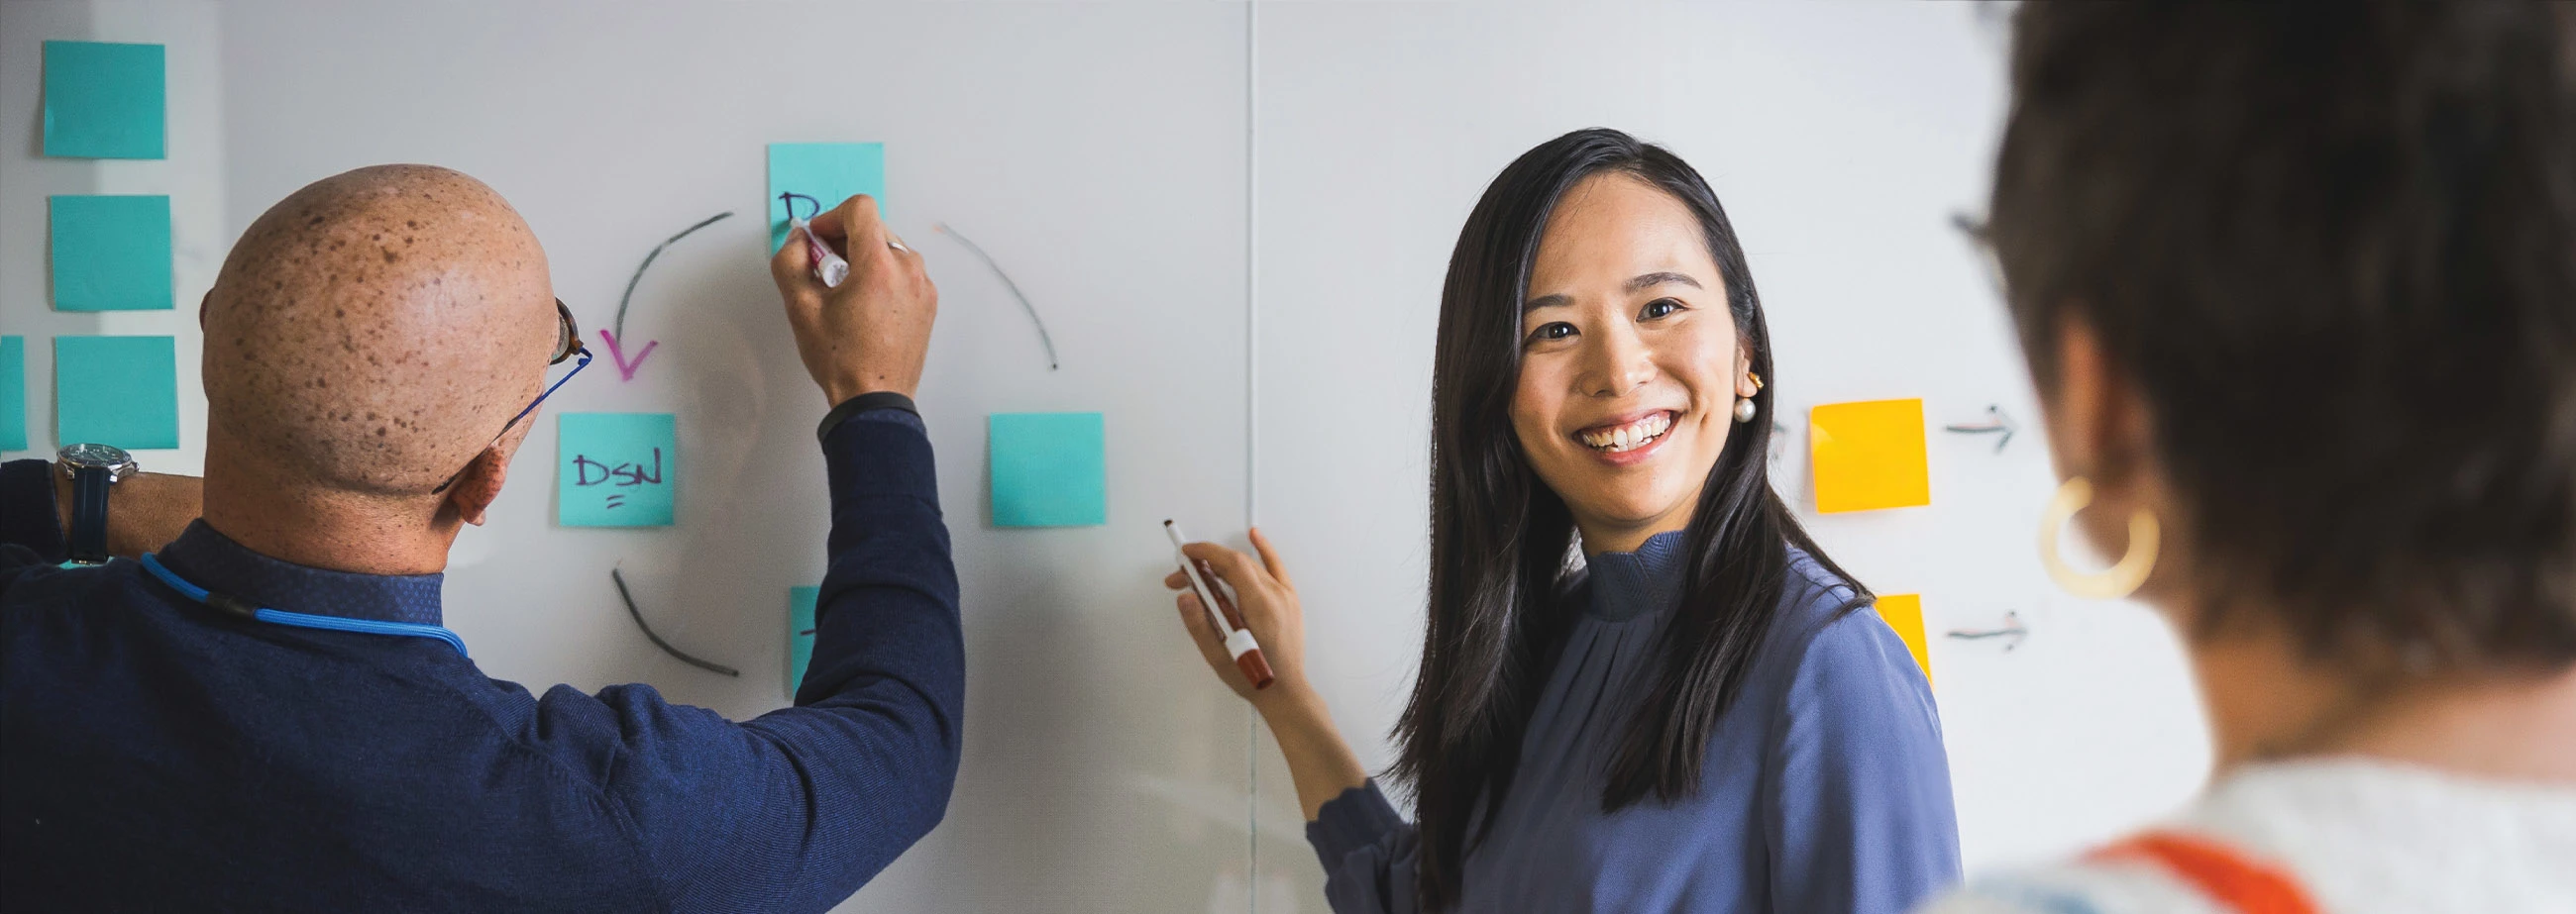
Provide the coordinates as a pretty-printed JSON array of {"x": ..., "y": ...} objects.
[
  {"x": 567, "y": 344},
  {"x": 567, "y": 334}
]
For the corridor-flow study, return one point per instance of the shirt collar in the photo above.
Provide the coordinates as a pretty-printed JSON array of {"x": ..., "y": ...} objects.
[
  {"x": 1630, "y": 584},
  {"x": 213, "y": 561}
]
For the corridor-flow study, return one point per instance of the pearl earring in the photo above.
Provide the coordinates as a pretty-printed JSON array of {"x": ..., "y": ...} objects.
[{"x": 1744, "y": 407}]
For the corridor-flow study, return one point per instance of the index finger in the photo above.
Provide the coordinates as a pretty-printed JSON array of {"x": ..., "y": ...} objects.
[
  {"x": 1232, "y": 567},
  {"x": 1270, "y": 559}
]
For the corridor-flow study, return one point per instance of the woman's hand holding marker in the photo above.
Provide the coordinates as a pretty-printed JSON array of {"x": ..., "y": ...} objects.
[
  {"x": 1227, "y": 621},
  {"x": 1267, "y": 602},
  {"x": 1319, "y": 762}
]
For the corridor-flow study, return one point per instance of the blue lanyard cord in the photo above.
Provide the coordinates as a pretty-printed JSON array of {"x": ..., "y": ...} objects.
[{"x": 236, "y": 606}]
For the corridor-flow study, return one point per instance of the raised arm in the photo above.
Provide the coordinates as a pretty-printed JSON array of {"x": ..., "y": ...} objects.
[
  {"x": 1367, "y": 849},
  {"x": 797, "y": 809},
  {"x": 1319, "y": 761}
]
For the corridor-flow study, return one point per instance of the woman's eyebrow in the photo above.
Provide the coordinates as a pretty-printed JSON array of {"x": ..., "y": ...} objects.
[
  {"x": 1651, "y": 280},
  {"x": 1639, "y": 284}
]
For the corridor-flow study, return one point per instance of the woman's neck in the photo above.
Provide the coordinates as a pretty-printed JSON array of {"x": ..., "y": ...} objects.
[
  {"x": 1602, "y": 535},
  {"x": 2266, "y": 702}
]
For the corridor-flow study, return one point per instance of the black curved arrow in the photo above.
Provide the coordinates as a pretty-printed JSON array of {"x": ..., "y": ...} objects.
[
  {"x": 629, "y": 294},
  {"x": 666, "y": 647}
]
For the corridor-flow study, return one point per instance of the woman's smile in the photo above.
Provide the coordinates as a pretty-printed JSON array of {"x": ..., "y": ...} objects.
[{"x": 1629, "y": 439}]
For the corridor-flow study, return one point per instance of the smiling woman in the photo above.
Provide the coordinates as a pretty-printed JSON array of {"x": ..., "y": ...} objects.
[
  {"x": 1627, "y": 383},
  {"x": 1699, "y": 713}
]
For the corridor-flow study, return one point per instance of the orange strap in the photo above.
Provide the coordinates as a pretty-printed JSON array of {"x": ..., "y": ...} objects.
[{"x": 2218, "y": 871}]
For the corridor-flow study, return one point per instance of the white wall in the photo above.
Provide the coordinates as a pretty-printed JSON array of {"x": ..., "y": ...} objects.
[{"x": 1100, "y": 151}]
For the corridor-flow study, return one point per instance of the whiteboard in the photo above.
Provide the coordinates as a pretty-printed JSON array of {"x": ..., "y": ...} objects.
[{"x": 1234, "y": 219}]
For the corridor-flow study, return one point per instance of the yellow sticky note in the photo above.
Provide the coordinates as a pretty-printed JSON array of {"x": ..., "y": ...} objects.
[
  {"x": 1904, "y": 613},
  {"x": 1868, "y": 455}
]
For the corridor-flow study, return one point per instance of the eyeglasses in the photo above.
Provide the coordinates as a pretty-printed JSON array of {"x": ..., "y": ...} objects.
[
  {"x": 567, "y": 345},
  {"x": 567, "y": 335}
]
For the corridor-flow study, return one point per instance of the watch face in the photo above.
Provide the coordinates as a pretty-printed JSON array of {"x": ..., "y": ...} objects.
[{"x": 96, "y": 455}]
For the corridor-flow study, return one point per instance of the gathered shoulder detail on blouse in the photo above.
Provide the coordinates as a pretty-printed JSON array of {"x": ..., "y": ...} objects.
[{"x": 1367, "y": 850}]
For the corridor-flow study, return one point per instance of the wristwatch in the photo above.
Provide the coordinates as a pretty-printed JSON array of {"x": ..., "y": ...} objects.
[{"x": 92, "y": 468}]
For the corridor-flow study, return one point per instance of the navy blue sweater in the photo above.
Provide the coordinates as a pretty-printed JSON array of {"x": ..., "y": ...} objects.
[{"x": 156, "y": 754}]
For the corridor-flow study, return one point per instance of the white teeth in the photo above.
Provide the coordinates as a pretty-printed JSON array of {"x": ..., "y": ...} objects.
[{"x": 1630, "y": 436}]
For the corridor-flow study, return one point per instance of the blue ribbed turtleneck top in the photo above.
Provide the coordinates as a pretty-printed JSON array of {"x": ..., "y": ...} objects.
[{"x": 1825, "y": 790}]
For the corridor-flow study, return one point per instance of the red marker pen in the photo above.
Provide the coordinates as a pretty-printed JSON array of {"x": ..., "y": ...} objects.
[
  {"x": 829, "y": 268},
  {"x": 1222, "y": 613}
]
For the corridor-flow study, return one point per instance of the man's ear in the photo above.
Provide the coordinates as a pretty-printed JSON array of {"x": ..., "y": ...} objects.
[
  {"x": 479, "y": 485},
  {"x": 202, "y": 305}
]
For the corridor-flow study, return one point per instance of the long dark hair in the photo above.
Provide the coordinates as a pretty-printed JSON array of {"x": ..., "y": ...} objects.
[{"x": 1500, "y": 538}]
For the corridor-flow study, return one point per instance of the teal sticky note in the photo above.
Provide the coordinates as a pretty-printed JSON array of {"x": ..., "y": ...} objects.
[
  {"x": 117, "y": 390},
  {"x": 1048, "y": 470},
  {"x": 13, "y": 393},
  {"x": 617, "y": 469},
  {"x": 111, "y": 253},
  {"x": 104, "y": 101},
  {"x": 827, "y": 172},
  {"x": 800, "y": 634}
]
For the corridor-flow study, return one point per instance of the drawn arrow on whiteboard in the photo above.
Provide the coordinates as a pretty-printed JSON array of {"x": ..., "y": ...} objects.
[
  {"x": 2013, "y": 632},
  {"x": 1996, "y": 421},
  {"x": 973, "y": 248},
  {"x": 629, "y": 600},
  {"x": 626, "y": 369}
]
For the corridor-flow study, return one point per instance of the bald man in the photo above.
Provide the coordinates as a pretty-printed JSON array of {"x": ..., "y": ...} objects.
[{"x": 264, "y": 713}]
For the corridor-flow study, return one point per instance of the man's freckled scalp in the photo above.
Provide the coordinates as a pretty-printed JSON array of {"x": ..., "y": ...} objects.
[{"x": 365, "y": 364}]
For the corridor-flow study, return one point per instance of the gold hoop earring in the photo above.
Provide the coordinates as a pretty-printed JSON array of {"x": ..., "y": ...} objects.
[{"x": 2122, "y": 578}]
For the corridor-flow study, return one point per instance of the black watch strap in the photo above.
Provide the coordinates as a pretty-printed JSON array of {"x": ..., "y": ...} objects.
[
  {"x": 883, "y": 399},
  {"x": 88, "y": 533}
]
